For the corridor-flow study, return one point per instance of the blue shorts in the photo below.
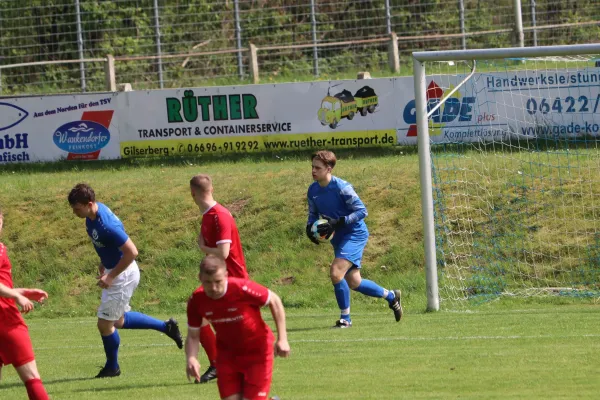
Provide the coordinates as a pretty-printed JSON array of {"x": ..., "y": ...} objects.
[{"x": 350, "y": 248}]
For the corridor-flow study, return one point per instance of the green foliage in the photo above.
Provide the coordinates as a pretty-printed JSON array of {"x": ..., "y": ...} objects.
[{"x": 47, "y": 31}]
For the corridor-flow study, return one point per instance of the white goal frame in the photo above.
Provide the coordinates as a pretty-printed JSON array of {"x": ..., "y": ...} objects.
[{"x": 420, "y": 60}]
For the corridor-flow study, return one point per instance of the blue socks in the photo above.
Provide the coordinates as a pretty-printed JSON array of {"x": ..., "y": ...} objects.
[
  {"x": 366, "y": 287},
  {"x": 390, "y": 296},
  {"x": 111, "y": 348},
  {"x": 370, "y": 288},
  {"x": 131, "y": 320},
  {"x": 136, "y": 320},
  {"x": 342, "y": 295}
]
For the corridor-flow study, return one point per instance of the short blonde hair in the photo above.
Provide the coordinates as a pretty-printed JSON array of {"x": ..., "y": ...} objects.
[
  {"x": 211, "y": 264},
  {"x": 201, "y": 182}
]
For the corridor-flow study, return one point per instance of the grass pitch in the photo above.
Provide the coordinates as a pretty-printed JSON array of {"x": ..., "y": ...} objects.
[
  {"x": 485, "y": 353},
  {"x": 498, "y": 349}
]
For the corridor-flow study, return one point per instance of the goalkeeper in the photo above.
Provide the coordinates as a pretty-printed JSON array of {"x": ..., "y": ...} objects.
[{"x": 335, "y": 200}]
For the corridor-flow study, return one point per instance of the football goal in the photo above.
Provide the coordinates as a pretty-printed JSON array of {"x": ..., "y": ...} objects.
[{"x": 509, "y": 158}]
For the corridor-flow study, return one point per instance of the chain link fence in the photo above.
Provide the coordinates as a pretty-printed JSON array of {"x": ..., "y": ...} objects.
[{"x": 62, "y": 46}]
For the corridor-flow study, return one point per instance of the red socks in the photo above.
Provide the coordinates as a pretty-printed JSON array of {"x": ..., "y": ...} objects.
[
  {"x": 36, "y": 390},
  {"x": 208, "y": 340}
]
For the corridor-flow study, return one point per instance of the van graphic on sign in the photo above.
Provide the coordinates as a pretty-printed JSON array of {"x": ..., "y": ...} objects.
[{"x": 345, "y": 105}]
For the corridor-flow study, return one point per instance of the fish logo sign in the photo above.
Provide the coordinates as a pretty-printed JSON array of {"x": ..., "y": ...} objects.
[{"x": 11, "y": 115}]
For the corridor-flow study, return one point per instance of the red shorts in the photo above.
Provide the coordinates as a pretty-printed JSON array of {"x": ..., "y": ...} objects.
[
  {"x": 249, "y": 375},
  {"x": 15, "y": 346}
]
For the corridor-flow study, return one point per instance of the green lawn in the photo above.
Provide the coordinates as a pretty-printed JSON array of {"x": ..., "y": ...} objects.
[
  {"x": 486, "y": 353},
  {"x": 493, "y": 348},
  {"x": 49, "y": 247}
]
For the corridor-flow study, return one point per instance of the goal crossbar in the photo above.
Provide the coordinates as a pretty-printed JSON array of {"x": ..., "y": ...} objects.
[{"x": 509, "y": 52}]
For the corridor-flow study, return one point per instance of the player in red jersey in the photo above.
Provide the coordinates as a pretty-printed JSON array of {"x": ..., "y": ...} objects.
[
  {"x": 219, "y": 237},
  {"x": 246, "y": 346},
  {"x": 15, "y": 343}
]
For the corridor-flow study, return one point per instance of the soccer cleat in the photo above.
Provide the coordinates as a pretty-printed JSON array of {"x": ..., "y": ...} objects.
[
  {"x": 108, "y": 373},
  {"x": 209, "y": 375},
  {"x": 173, "y": 332},
  {"x": 396, "y": 305},
  {"x": 342, "y": 323},
  {"x": 274, "y": 398}
]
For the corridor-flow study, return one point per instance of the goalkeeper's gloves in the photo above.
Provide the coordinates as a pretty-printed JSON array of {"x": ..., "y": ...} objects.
[
  {"x": 310, "y": 235},
  {"x": 331, "y": 225}
]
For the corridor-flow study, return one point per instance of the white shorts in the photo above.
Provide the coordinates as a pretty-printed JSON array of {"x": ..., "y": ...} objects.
[{"x": 115, "y": 299}]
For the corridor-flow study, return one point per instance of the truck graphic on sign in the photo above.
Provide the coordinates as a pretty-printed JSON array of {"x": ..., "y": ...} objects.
[{"x": 345, "y": 105}]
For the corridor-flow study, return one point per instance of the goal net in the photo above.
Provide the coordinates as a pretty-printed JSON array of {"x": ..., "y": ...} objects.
[{"x": 510, "y": 172}]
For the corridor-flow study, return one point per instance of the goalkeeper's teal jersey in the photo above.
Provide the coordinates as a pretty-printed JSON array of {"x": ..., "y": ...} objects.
[{"x": 338, "y": 199}]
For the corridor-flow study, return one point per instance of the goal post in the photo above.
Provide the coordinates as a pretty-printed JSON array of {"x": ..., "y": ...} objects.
[{"x": 509, "y": 171}]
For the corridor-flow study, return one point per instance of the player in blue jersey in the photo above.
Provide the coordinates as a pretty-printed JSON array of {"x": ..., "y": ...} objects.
[
  {"x": 335, "y": 200},
  {"x": 118, "y": 276}
]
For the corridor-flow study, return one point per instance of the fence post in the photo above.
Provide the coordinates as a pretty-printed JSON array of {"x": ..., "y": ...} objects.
[
  {"x": 461, "y": 12},
  {"x": 124, "y": 87},
  {"x": 388, "y": 18},
  {"x": 158, "y": 46},
  {"x": 80, "y": 45},
  {"x": 533, "y": 23},
  {"x": 254, "y": 63},
  {"x": 313, "y": 22},
  {"x": 238, "y": 36},
  {"x": 393, "y": 54},
  {"x": 109, "y": 73},
  {"x": 519, "y": 37}
]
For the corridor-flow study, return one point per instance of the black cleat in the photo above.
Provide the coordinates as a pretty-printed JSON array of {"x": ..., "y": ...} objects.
[
  {"x": 173, "y": 332},
  {"x": 209, "y": 375},
  {"x": 342, "y": 323},
  {"x": 396, "y": 305},
  {"x": 108, "y": 373}
]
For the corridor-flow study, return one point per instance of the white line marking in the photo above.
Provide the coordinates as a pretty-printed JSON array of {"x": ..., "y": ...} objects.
[
  {"x": 442, "y": 338},
  {"x": 382, "y": 339},
  {"x": 58, "y": 322}
]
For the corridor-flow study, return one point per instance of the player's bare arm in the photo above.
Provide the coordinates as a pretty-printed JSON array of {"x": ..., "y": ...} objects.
[
  {"x": 221, "y": 251},
  {"x": 23, "y": 302},
  {"x": 37, "y": 295},
  {"x": 192, "y": 345},
  {"x": 282, "y": 347},
  {"x": 130, "y": 252},
  {"x": 101, "y": 270}
]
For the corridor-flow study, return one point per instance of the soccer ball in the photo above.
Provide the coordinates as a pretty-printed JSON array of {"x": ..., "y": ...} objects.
[{"x": 316, "y": 234}]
